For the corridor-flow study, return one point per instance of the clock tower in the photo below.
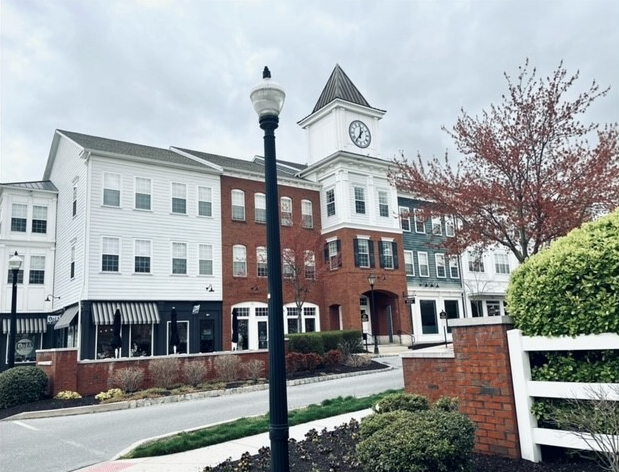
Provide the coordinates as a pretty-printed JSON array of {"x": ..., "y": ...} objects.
[{"x": 342, "y": 120}]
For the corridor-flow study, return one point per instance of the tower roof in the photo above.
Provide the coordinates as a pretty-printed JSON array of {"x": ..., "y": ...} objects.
[{"x": 340, "y": 86}]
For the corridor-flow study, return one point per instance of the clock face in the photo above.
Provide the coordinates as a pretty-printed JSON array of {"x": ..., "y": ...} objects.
[{"x": 359, "y": 134}]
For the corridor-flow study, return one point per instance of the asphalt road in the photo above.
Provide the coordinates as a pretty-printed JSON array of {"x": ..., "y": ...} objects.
[{"x": 63, "y": 444}]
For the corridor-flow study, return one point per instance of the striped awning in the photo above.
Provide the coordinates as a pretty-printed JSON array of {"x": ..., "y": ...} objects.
[
  {"x": 67, "y": 317},
  {"x": 26, "y": 325},
  {"x": 130, "y": 312}
]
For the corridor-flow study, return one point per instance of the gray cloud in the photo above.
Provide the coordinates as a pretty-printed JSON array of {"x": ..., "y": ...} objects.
[{"x": 179, "y": 72}]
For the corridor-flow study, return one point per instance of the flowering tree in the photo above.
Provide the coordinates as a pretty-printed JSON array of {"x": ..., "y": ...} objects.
[
  {"x": 301, "y": 249},
  {"x": 528, "y": 173}
]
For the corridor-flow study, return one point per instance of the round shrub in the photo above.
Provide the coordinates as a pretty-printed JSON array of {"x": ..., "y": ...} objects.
[
  {"x": 22, "y": 385},
  {"x": 402, "y": 401},
  {"x": 370, "y": 424},
  {"x": 431, "y": 440},
  {"x": 572, "y": 287},
  {"x": 447, "y": 404}
]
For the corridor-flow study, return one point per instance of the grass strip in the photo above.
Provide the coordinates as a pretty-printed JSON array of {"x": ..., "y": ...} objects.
[{"x": 243, "y": 427}]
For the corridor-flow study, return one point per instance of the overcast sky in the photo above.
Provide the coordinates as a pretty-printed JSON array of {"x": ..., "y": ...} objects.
[{"x": 179, "y": 72}]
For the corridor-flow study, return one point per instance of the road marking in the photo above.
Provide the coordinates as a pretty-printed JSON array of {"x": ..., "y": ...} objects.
[{"x": 27, "y": 426}]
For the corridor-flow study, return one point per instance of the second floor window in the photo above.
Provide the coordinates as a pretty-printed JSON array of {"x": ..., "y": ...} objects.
[
  {"x": 364, "y": 252},
  {"x": 111, "y": 189},
  {"x": 74, "y": 204},
  {"x": 261, "y": 261},
  {"x": 142, "y": 193},
  {"x": 409, "y": 264},
  {"x": 72, "y": 267},
  {"x": 501, "y": 263},
  {"x": 359, "y": 200},
  {"x": 420, "y": 223},
  {"x": 307, "y": 214},
  {"x": 286, "y": 210},
  {"x": 179, "y": 258},
  {"x": 179, "y": 198},
  {"x": 142, "y": 256},
  {"x": 450, "y": 226},
  {"x": 110, "y": 255},
  {"x": 20, "y": 276},
  {"x": 39, "y": 219},
  {"x": 205, "y": 201},
  {"x": 260, "y": 204},
  {"x": 37, "y": 270},
  {"x": 441, "y": 269},
  {"x": 383, "y": 203},
  {"x": 205, "y": 263},
  {"x": 405, "y": 219},
  {"x": 454, "y": 269},
  {"x": 437, "y": 227},
  {"x": 19, "y": 217},
  {"x": 239, "y": 261},
  {"x": 388, "y": 255},
  {"x": 238, "y": 205},
  {"x": 476, "y": 261},
  {"x": 333, "y": 254},
  {"x": 289, "y": 268},
  {"x": 424, "y": 266},
  {"x": 310, "y": 265},
  {"x": 330, "y": 199}
]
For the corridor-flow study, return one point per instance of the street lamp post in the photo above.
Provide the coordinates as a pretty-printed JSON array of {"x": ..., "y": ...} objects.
[
  {"x": 14, "y": 265},
  {"x": 443, "y": 316},
  {"x": 372, "y": 281},
  {"x": 268, "y": 99}
]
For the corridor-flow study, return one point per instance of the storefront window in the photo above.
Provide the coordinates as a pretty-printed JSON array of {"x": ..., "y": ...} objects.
[
  {"x": 141, "y": 340},
  {"x": 26, "y": 346},
  {"x": 105, "y": 333},
  {"x": 183, "y": 329}
]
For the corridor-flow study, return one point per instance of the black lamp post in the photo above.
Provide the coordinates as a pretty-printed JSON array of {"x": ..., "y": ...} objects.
[
  {"x": 268, "y": 99},
  {"x": 14, "y": 265},
  {"x": 443, "y": 316},
  {"x": 372, "y": 281}
]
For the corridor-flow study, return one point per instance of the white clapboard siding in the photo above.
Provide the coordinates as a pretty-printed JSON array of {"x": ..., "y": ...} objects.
[{"x": 525, "y": 390}]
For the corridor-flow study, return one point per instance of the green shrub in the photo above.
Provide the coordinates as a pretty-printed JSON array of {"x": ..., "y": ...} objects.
[
  {"x": 110, "y": 394},
  {"x": 325, "y": 341},
  {"x": 402, "y": 401},
  {"x": 432, "y": 440},
  {"x": 305, "y": 343},
  {"x": 572, "y": 287},
  {"x": 373, "y": 423},
  {"x": 67, "y": 395},
  {"x": 354, "y": 339},
  {"x": 447, "y": 404},
  {"x": 22, "y": 385}
]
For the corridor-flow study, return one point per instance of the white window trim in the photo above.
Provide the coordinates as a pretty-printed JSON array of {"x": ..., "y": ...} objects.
[
  {"x": 402, "y": 210},
  {"x": 438, "y": 256},
  {"x": 418, "y": 219},
  {"x": 412, "y": 264},
  {"x": 453, "y": 262},
  {"x": 239, "y": 192},
  {"x": 172, "y": 197},
  {"x": 212, "y": 260},
  {"x": 200, "y": 201},
  {"x": 172, "y": 259},
  {"x": 135, "y": 193},
  {"x": 104, "y": 188},
  {"x": 120, "y": 245},
  {"x": 150, "y": 255},
  {"x": 419, "y": 253}
]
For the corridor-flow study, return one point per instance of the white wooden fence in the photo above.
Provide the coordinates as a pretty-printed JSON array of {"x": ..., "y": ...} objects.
[{"x": 525, "y": 389}]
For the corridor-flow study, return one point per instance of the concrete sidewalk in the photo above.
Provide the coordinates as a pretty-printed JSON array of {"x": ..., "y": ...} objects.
[{"x": 196, "y": 460}]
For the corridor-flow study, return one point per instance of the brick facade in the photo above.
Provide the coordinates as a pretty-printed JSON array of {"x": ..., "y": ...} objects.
[{"x": 478, "y": 372}]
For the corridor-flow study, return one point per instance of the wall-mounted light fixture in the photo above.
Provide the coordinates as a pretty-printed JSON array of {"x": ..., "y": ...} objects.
[
  {"x": 210, "y": 288},
  {"x": 51, "y": 297}
]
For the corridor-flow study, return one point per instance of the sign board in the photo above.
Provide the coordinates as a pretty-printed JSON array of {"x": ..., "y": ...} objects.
[
  {"x": 443, "y": 315},
  {"x": 52, "y": 319},
  {"x": 409, "y": 301},
  {"x": 365, "y": 317}
]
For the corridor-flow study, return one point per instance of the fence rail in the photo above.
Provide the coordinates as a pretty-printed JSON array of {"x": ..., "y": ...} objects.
[{"x": 525, "y": 389}]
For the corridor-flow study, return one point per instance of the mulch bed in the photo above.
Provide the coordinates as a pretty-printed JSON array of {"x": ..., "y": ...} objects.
[{"x": 334, "y": 451}]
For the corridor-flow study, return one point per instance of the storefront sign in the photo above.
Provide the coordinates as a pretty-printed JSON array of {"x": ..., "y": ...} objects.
[
  {"x": 24, "y": 347},
  {"x": 52, "y": 319}
]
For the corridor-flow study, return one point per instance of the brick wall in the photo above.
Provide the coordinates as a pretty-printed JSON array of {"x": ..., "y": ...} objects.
[
  {"x": 90, "y": 377},
  {"x": 478, "y": 372}
]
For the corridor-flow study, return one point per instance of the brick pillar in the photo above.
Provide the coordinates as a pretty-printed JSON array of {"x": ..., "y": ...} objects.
[
  {"x": 60, "y": 365},
  {"x": 478, "y": 372}
]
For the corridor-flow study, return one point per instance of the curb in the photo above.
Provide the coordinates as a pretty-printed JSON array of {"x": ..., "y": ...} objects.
[{"x": 124, "y": 405}]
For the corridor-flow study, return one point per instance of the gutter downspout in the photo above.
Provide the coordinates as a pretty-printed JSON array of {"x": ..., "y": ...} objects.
[{"x": 86, "y": 156}]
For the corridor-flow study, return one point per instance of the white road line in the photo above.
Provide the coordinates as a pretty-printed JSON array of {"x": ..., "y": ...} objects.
[{"x": 27, "y": 426}]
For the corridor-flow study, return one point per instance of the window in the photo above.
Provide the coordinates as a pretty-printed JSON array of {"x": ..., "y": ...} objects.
[
  {"x": 409, "y": 264},
  {"x": 239, "y": 261},
  {"x": 441, "y": 270},
  {"x": 286, "y": 211},
  {"x": 143, "y": 191},
  {"x": 179, "y": 198},
  {"x": 183, "y": 330},
  {"x": 74, "y": 200},
  {"x": 363, "y": 255},
  {"x": 205, "y": 259},
  {"x": 260, "y": 203},
  {"x": 110, "y": 254},
  {"x": 383, "y": 203},
  {"x": 494, "y": 307},
  {"x": 238, "y": 205},
  {"x": 424, "y": 267},
  {"x": 437, "y": 227},
  {"x": 359, "y": 200},
  {"x": 72, "y": 268},
  {"x": 179, "y": 258},
  {"x": 450, "y": 226},
  {"x": 141, "y": 340},
  {"x": 111, "y": 189},
  {"x": 20, "y": 276},
  {"x": 37, "y": 270},
  {"x": 420, "y": 223},
  {"x": 333, "y": 254},
  {"x": 205, "y": 201},
  {"x": 310, "y": 265},
  {"x": 454, "y": 269},
  {"x": 476, "y": 261},
  {"x": 142, "y": 256},
  {"x": 405, "y": 219},
  {"x": 330, "y": 194},
  {"x": 307, "y": 214},
  {"x": 289, "y": 268},
  {"x": 19, "y": 217},
  {"x": 501, "y": 263},
  {"x": 39, "y": 219},
  {"x": 261, "y": 261},
  {"x": 262, "y": 311},
  {"x": 388, "y": 255}
]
